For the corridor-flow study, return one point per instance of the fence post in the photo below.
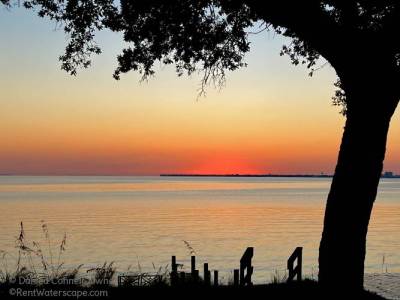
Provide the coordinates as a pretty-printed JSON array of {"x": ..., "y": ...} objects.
[
  {"x": 295, "y": 271},
  {"x": 193, "y": 264},
  {"x": 207, "y": 275},
  {"x": 236, "y": 277},
  {"x": 174, "y": 272},
  {"x": 215, "y": 278},
  {"x": 245, "y": 265}
]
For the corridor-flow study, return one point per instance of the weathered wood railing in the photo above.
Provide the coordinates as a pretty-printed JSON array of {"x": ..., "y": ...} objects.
[
  {"x": 139, "y": 280},
  {"x": 246, "y": 269},
  {"x": 181, "y": 277},
  {"x": 241, "y": 276},
  {"x": 295, "y": 271}
]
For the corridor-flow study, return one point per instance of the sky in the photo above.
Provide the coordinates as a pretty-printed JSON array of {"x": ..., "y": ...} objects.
[{"x": 271, "y": 117}]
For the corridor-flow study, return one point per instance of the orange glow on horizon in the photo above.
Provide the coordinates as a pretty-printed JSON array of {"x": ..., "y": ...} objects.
[
  {"x": 270, "y": 118},
  {"x": 224, "y": 165}
]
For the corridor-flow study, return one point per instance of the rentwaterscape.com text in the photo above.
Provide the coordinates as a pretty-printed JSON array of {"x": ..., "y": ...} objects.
[{"x": 66, "y": 293}]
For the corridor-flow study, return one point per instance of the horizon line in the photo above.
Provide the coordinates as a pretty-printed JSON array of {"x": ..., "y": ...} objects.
[{"x": 385, "y": 174}]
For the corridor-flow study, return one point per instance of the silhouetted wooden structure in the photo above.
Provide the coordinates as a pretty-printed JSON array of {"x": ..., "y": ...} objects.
[
  {"x": 193, "y": 264},
  {"x": 192, "y": 277},
  {"x": 215, "y": 278},
  {"x": 295, "y": 271},
  {"x": 241, "y": 276},
  {"x": 139, "y": 280},
  {"x": 246, "y": 269},
  {"x": 207, "y": 275},
  {"x": 174, "y": 271},
  {"x": 193, "y": 271}
]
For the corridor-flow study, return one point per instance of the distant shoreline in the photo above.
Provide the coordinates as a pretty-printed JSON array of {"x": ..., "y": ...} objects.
[
  {"x": 261, "y": 175},
  {"x": 188, "y": 175},
  {"x": 248, "y": 175}
]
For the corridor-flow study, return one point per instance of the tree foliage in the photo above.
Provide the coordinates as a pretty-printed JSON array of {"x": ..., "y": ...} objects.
[{"x": 212, "y": 35}]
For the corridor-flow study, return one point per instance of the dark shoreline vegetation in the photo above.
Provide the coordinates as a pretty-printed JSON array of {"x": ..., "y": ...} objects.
[{"x": 40, "y": 273}]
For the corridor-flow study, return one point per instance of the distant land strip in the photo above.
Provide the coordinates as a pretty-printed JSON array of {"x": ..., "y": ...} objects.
[
  {"x": 248, "y": 175},
  {"x": 263, "y": 175}
]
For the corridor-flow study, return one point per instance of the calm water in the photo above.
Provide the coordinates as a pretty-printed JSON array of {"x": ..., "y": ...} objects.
[{"x": 145, "y": 220}]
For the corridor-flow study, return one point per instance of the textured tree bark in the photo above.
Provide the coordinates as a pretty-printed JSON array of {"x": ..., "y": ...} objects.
[{"x": 354, "y": 187}]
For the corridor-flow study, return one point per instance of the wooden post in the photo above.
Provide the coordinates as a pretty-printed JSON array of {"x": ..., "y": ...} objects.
[
  {"x": 300, "y": 264},
  {"x": 207, "y": 275},
  {"x": 236, "y": 277},
  {"x": 173, "y": 264},
  {"x": 295, "y": 271},
  {"x": 245, "y": 265},
  {"x": 215, "y": 278},
  {"x": 193, "y": 264},
  {"x": 174, "y": 271}
]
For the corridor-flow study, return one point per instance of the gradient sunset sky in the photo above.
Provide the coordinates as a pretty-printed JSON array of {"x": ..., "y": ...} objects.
[{"x": 271, "y": 117}]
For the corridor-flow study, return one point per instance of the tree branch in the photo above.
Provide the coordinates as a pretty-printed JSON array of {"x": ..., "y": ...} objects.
[{"x": 307, "y": 21}]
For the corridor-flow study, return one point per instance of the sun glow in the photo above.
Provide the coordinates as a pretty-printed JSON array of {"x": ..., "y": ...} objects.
[{"x": 269, "y": 118}]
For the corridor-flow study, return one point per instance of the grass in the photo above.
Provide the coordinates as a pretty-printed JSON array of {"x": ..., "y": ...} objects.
[
  {"x": 277, "y": 277},
  {"x": 40, "y": 266},
  {"x": 35, "y": 264}
]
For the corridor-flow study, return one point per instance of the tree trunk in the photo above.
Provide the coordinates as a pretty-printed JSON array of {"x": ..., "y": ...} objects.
[{"x": 354, "y": 187}]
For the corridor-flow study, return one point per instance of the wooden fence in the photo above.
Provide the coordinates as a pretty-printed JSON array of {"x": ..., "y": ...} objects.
[{"x": 241, "y": 276}]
